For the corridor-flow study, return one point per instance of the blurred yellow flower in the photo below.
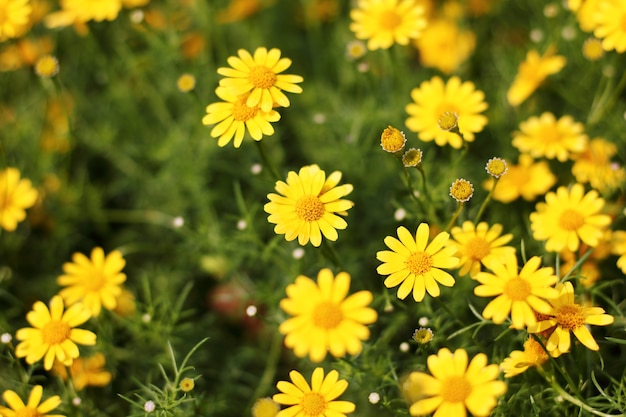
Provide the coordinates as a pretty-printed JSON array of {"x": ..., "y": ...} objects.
[
  {"x": 618, "y": 247},
  {"x": 309, "y": 205},
  {"x": 16, "y": 195},
  {"x": 324, "y": 318},
  {"x": 532, "y": 72},
  {"x": 47, "y": 66},
  {"x": 85, "y": 372},
  {"x": 238, "y": 10},
  {"x": 54, "y": 334},
  {"x": 187, "y": 384},
  {"x": 385, "y": 22},
  {"x": 568, "y": 316},
  {"x": 609, "y": 18},
  {"x": 416, "y": 265},
  {"x": 233, "y": 117},
  {"x": 33, "y": 407},
  {"x": 527, "y": 179},
  {"x": 586, "y": 13},
  {"x": 95, "y": 282},
  {"x": 594, "y": 166},
  {"x": 443, "y": 45},
  {"x": 544, "y": 136},
  {"x": 315, "y": 400},
  {"x": 456, "y": 386},
  {"x": 186, "y": 83},
  {"x": 260, "y": 76},
  {"x": 569, "y": 216},
  {"x": 433, "y": 99},
  {"x": 519, "y": 361},
  {"x": 14, "y": 15},
  {"x": 98, "y": 10},
  {"x": 477, "y": 244},
  {"x": 265, "y": 407},
  {"x": 592, "y": 49}
]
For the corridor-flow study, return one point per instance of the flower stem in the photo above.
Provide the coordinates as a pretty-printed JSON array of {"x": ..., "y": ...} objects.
[
  {"x": 266, "y": 160},
  {"x": 577, "y": 402},
  {"x": 487, "y": 200},
  {"x": 456, "y": 215}
]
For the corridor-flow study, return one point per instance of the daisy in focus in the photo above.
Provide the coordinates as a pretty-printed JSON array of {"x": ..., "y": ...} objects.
[
  {"x": 316, "y": 400},
  {"x": 325, "y": 318},
  {"x": 569, "y": 216},
  {"x": 14, "y": 16},
  {"x": 569, "y": 316},
  {"x": 433, "y": 99},
  {"x": 233, "y": 117},
  {"x": 520, "y": 293},
  {"x": 532, "y": 72},
  {"x": 54, "y": 334},
  {"x": 385, "y": 22},
  {"x": 33, "y": 407},
  {"x": 477, "y": 244},
  {"x": 456, "y": 387},
  {"x": 545, "y": 136},
  {"x": 16, "y": 195},
  {"x": 520, "y": 360},
  {"x": 609, "y": 21},
  {"x": 260, "y": 77},
  {"x": 309, "y": 205},
  {"x": 415, "y": 264},
  {"x": 84, "y": 372}
]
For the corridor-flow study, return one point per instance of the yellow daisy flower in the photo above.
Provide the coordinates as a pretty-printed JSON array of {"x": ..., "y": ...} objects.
[
  {"x": 544, "y": 136},
  {"x": 528, "y": 179},
  {"x": 618, "y": 247},
  {"x": 594, "y": 166},
  {"x": 568, "y": 217},
  {"x": 260, "y": 76},
  {"x": 233, "y": 117},
  {"x": 609, "y": 21},
  {"x": 455, "y": 386},
  {"x": 14, "y": 15},
  {"x": 477, "y": 244},
  {"x": 309, "y": 205},
  {"x": 444, "y": 46},
  {"x": 385, "y": 22},
  {"x": 415, "y": 264},
  {"x": 532, "y": 72},
  {"x": 33, "y": 407},
  {"x": 520, "y": 293},
  {"x": 94, "y": 282},
  {"x": 16, "y": 195},
  {"x": 265, "y": 407},
  {"x": 54, "y": 334},
  {"x": 433, "y": 99},
  {"x": 568, "y": 316},
  {"x": 586, "y": 14},
  {"x": 519, "y": 361},
  {"x": 315, "y": 400},
  {"x": 84, "y": 372},
  {"x": 97, "y": 10},
  {"x": 324, "y": 317}
]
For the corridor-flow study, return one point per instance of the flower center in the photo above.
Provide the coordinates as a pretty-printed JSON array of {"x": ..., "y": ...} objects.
[
  {"x": 551, "y": 134},
  {"x": 310, "y": 208},
  {"x": 262, "y": 77},
  {"x": 313, "y": 404},
  {"x": 448, "y": 121},
  {"x": 477, "y": 248},
  {"x": 27, "y": 411},
  {"x": 571, "y": 316},
  {"x": 389, "y": 20},
  {"x": 461, "y": 190},
  {"x": 327, "y": 315},
  {"x": 392, "y": 139},
  {"x": 96, "y": 281},
  {"x": 455, "y": 389},
  {"x": 242, "y": 113},
  {"x": 55, "y": 332},
  {"x": 517, "y": 289},
  {"x": 571, "y": 220},
  {"x": 419, "y": 263}
]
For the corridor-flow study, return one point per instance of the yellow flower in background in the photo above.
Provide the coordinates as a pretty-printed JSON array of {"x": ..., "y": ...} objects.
[
  {"x": 415, "y": 264},
  {"x": 324, "y": 318},
  {"x": 233, "y": 117},
  {"x": 14, "y": 15},
  {"x": 532, "y": 72},
  {"x": 95, "y": 282},
  {"x": 609, "y": 18},
  {"x": 477, "y": 244},
  {"x": 594, "y": 166},
  {"x": 456, "y": 387},
  {"x": 520, "y": 293},
  {"x": 316, "y": 400},
  {"x": 528, "y": 179},
  {"x": 433, "y": 99},
  {"x": 54, "y": 334},
  {"x": 569, "y": 216},
  {"x": 386, "y": 22},
  {"x": 309, "y": 205},
  {"x": 545, "y": 136},
  {"x": 47, "y": 66},
  {"x": 519, "y": 361},
  {"x": 16, "y": 195},
  {"x": 265, "y": 407},
  {"x": 260, "y": 76},
  {"x": 592, "y": 49},
  {"x": 618, "y": 247},
  {"x": 444, "y": 46},
  {"x": 586, "y": 14},
  {"x": 84, "y": 372},
  {"x": 97, "y": 10},
  {"x": 185, "y": 83},
  {"x": 568, "y": 316},
  {"x": 33, "y": 407},
  {"x": 238, "y": 10}
]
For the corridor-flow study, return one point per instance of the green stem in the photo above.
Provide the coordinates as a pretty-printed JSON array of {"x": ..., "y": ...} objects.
[
  {"x": 487, "y": 200},
  {"x": 577, "y": 402},
  {"x": 271, "y": 362},
  {"x": 330, "y": 254},
  {"x": 606, "y": 101},
  {"x": 266, "y": 160},
  {"x": 456, "y": 215}
]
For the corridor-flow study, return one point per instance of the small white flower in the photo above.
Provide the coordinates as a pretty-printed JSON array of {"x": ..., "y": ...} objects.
[
  {"x": 242, "y": 224},
  {"x": 6, "y": 338},
  {"x": 399, "y": 214},
  {"x": 297, "y": 253},
  {"x": 373, "y": 398},
  {"x": 149, "y": 406},
  {"x": 251, "y": 310},
  {"x": 256, "y": 169},
  {"x": 404, "y": 347},
  {"x": 423, "y": 321}
]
